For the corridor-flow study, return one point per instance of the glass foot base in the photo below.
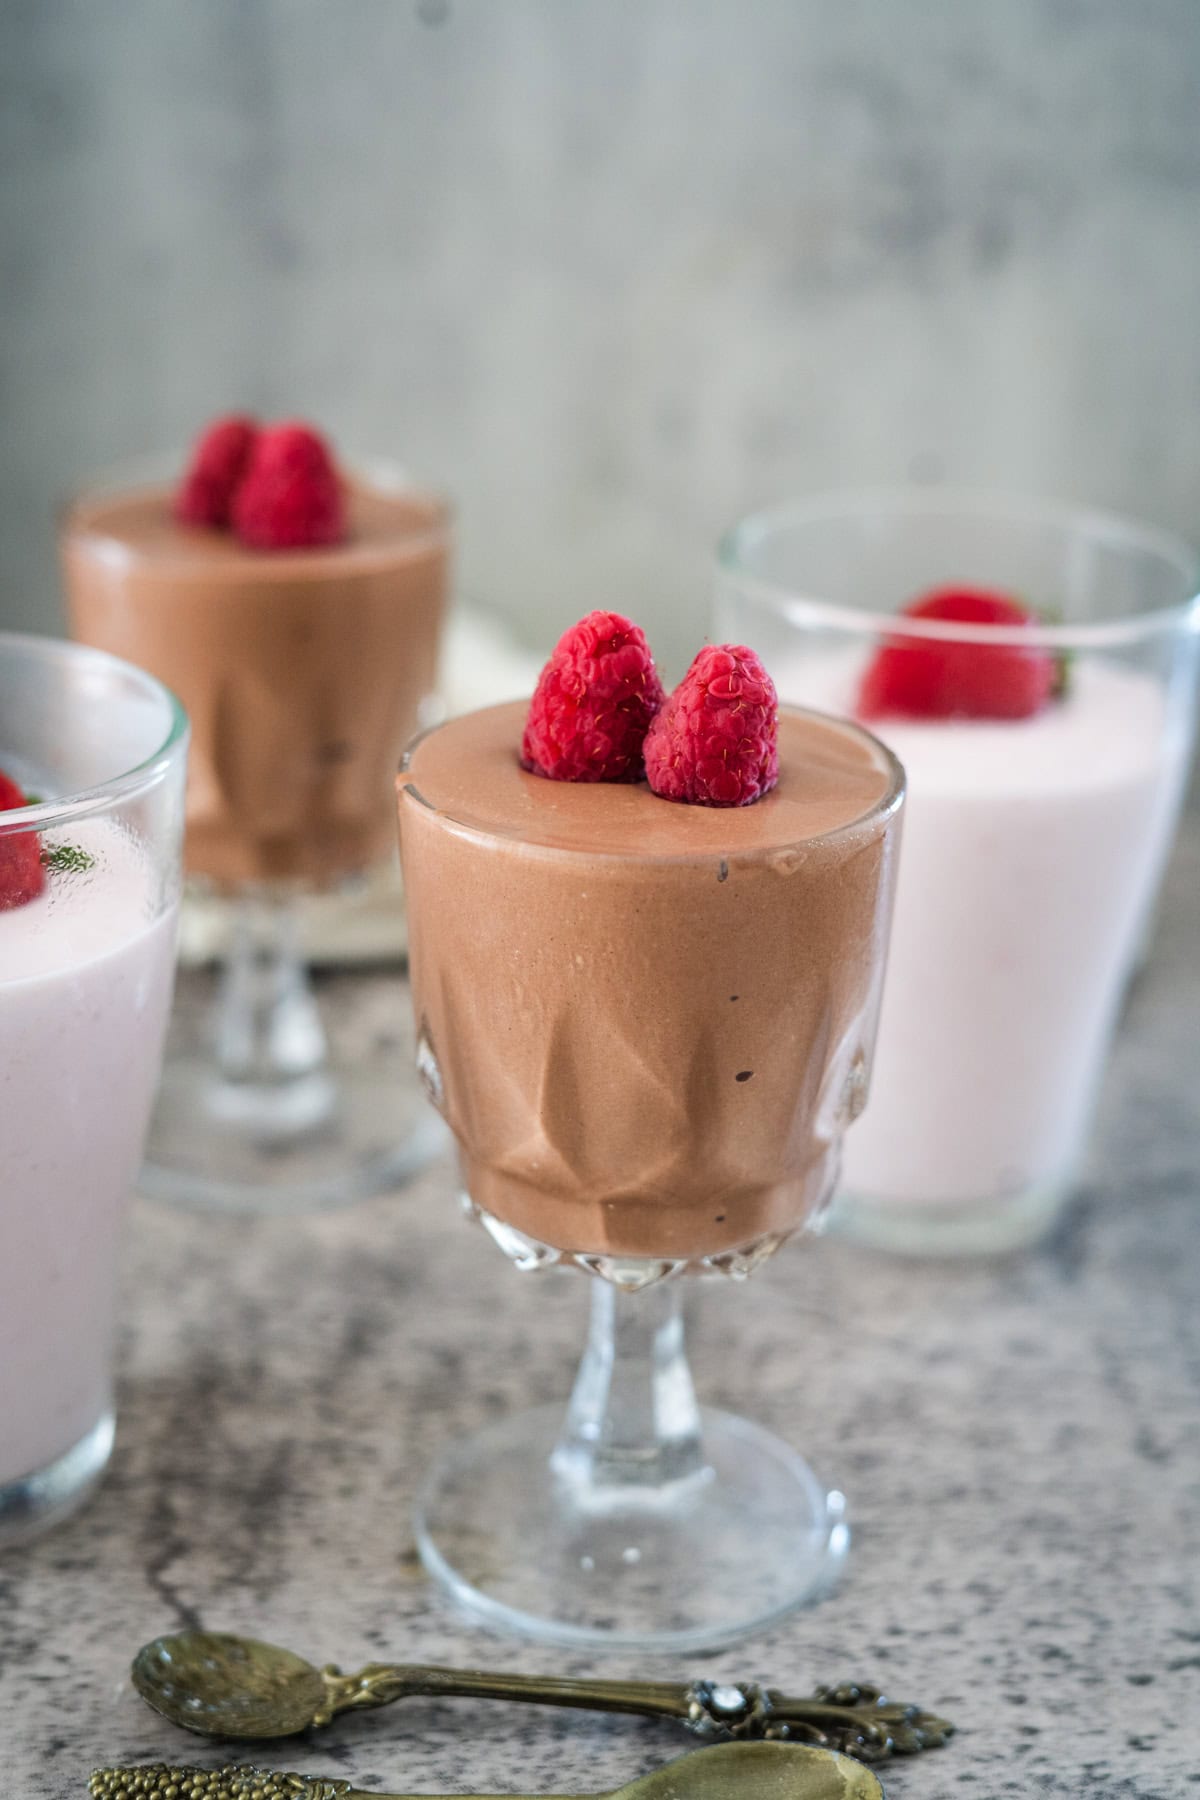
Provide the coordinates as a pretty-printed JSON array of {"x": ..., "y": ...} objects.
[
  {"x": 691, "y": 1565},
  {"x": 31, "y": 1504},
  {"x": 321, "y": 1141},
  {"x": 969, "y": 1228}
]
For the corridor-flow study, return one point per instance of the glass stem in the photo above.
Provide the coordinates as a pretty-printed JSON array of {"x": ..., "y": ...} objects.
[
  {"x": 633, "y": 1421},
  {"x": 270, "y": 1043}
]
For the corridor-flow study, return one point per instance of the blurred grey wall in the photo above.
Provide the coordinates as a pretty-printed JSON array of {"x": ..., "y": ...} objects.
[{"x": 615, "y": 270}]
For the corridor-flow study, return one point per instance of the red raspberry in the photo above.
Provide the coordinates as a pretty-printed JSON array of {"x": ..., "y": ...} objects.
[
  {"x": 928, "y": 679},
  {"x": 593, "y": 703},
  {"x": 218, "y": 463},
  {"x": 714, "y": 742},
  {"x": 22, "y": 876},
  {"x": 290, "y": 497}
]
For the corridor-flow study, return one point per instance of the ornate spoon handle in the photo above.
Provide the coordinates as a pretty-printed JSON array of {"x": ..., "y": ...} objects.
[
  {"x": 853, "y": 1718},
  {"x": 169, "y": 1781},
  {"x": 378, "y": 1684}
]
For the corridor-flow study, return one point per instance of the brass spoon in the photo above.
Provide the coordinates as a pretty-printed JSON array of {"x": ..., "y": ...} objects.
[
  {"x": 751, "y": 1771},
  {"x": 234, "y": 1687}
]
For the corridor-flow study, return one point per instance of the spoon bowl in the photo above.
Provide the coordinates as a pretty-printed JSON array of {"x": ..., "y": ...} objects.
[
  {"x": 762, "y": 1771},
  {"x": 226, "y": 1686}
]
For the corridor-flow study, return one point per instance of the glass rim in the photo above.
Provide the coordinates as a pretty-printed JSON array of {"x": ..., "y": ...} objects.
[
  {"x": 102, "y": 796},
  {"x": 877, "y": 813},
  {"x": 801, "y": 608},
  {"x": 387, "y": 475}
]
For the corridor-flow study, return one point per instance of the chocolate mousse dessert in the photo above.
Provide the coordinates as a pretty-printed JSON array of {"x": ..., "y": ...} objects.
[
  {"x": 295, "y": 608},
  {"x": 647, "y": 939}
]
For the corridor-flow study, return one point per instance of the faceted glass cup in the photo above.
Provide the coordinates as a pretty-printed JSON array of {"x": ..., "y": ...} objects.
[
  {"x": 1034, "y": 846},
  {"x": 87, "y": 950},
  {"x": 647, "y": 1057}
]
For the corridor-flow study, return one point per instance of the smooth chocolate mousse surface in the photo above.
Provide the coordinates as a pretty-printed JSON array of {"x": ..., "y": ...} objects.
[
  {"x": 302, "y": 671},
  {"x": 646, "y": 1023}
]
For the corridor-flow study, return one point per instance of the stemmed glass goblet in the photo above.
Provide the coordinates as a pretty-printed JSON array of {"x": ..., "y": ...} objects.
[
  {"x": 647, "y": 1026},
  {"x": 304, "y": 672}
]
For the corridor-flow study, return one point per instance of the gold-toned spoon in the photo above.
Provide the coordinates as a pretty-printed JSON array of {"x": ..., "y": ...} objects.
[
  {"x": 225, "y": 1686},
  {"x": 751, "y": 1771}
]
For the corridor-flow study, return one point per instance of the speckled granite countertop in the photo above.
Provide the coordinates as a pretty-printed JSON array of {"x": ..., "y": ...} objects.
[{"x": 1020, "y": 1444}]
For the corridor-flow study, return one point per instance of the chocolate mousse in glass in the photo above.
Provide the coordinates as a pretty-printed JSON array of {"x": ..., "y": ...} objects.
[
  {"x": 646, "y": 1024},
  {"x": 304, "y": 669}
]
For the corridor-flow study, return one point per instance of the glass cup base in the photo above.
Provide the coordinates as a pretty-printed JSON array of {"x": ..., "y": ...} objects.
[
  {"x": 688, "y": 1565},
  {"x": 995, "y": 1227},
  {"x": 347, "y": 1133},
  {"x": 32, "y": 1503}
]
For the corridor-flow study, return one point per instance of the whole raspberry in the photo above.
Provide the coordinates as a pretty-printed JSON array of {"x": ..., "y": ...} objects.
[
  {"x": 928, "y": 678},
  {"x": 219, "y": 459},
  {"x": 593, "y": 703},
  {"x": 22, "y": 876},
  {"x": 290, "y": 497},
  {"x": 715, "y": 741}
]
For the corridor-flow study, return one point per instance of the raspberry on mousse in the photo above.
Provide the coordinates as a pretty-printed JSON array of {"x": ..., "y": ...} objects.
[
  {"x": 929, "y": 678},
  {"x": 290, "y": 496},
  {"x": 276, "y": 487},
  {"x": 715, "y": 742},
  {"x": 218, "y": 464},
  {"x": 22, "y": 875},
  {"x": 593, "y": 703}
]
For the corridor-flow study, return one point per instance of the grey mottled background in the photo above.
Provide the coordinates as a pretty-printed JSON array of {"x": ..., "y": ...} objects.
[{"x": 615, "y": 270}]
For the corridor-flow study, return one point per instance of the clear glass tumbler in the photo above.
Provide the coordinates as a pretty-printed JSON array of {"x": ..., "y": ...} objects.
[
  {"x": 89, "y": 892},
  {"x": 304, "y": 673},
  {"x": 1033, "y": 845},
  {"x": 647, "y": 1039}
]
